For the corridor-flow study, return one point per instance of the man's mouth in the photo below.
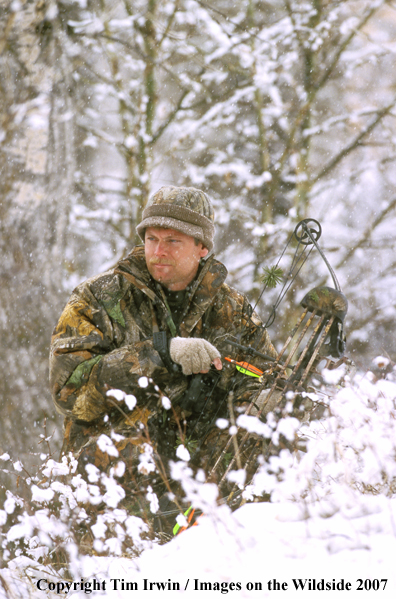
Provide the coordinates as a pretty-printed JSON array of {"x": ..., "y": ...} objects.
[{"x": 159, "y": 263}]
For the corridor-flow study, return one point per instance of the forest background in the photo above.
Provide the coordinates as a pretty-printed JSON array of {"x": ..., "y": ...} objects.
[{"x": 280, "y": 110}]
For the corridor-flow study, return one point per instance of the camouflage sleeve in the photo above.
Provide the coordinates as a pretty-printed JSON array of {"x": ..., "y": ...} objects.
[
  {"x": 88, "y": 357},
  {"x": 243, "y": 326}
]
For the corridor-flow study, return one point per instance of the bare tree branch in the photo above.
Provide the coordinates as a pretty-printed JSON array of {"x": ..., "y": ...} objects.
[
  {"x": 355, "y": 142},
  {"x": 368, "y": 231}
]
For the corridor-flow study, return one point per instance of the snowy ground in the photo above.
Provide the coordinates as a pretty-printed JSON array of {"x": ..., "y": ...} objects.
[
  {"x": 259, "y": 544},
  {"x": 331, "y": 523}
]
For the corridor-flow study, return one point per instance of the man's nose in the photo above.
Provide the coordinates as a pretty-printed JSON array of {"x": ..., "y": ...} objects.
[{"x": 160, "y": 249}]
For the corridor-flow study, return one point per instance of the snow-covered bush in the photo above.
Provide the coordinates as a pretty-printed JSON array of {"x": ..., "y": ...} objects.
[
  {"x": 349, "y": 453},
  {"x": 335, "y": 497},
  {"x": 62, "y": 516}
]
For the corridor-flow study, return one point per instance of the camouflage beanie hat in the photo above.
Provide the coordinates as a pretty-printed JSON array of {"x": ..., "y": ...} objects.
[{"x": 184, "y": 209}]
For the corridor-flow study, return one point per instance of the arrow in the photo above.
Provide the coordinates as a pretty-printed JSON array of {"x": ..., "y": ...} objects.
[{"x": 246, "y": 368}]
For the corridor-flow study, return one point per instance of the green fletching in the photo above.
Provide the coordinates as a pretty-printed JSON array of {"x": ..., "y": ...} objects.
[
  {"x": 177, "y": 527},
  {"x": 244, "y": 371}
]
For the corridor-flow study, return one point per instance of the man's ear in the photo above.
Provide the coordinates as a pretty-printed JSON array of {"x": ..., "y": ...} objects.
[{"x": 204, "y": 252}]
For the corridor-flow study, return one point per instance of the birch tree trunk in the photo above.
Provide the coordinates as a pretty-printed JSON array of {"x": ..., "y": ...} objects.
[{"x": 37, "y": 162}]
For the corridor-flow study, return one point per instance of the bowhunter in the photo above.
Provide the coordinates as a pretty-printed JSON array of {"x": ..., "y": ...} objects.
[{"x": 165, "y": 313}]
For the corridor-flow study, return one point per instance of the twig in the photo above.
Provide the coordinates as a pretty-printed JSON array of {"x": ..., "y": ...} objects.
[{"x": 233, "y": 422}]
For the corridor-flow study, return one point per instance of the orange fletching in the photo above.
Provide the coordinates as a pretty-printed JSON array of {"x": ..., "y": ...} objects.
[{"x": 246, "y": 366}]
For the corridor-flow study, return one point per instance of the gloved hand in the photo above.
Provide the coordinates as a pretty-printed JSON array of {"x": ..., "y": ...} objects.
[{"x": 194, "y": 355}]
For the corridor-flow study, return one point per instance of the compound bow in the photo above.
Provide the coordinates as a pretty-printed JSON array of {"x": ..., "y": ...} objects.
[{"x": 324, "y": 311}]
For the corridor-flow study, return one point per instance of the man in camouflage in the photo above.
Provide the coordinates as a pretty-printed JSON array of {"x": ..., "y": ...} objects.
[{"x": 152, "y": 327}]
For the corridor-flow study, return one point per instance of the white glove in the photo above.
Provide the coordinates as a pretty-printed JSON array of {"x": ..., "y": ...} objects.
[{"x": 193, "y": 355}]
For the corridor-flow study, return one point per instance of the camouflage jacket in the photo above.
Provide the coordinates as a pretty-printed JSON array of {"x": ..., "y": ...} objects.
[{"x": 104, "y": 340}]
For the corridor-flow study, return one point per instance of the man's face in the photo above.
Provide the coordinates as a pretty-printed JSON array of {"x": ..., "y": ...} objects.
[{"x": 172, "y": 257}]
